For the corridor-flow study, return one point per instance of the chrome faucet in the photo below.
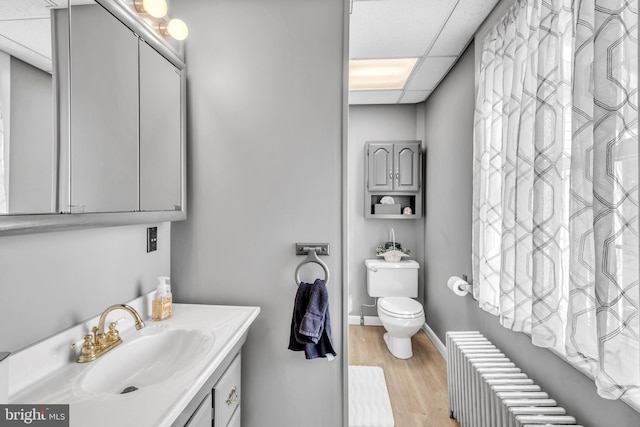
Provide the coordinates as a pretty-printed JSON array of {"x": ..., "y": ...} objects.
[{"x": 100, "y": 342}]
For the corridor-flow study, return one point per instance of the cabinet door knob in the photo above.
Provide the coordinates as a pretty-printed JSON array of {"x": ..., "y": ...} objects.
[{"x": 233, "y": 396}]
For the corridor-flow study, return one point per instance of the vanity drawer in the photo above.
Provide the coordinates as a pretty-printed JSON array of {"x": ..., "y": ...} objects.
[
  {"x": 227, "y": 394},
  {"x": 235, "y": 420}
]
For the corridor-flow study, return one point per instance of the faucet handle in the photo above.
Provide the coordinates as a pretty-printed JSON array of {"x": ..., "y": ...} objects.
[
  {"x": 88, "y": 351},
  {"x": 113, "y": 335},
  {"x": 88, "y": 342}
]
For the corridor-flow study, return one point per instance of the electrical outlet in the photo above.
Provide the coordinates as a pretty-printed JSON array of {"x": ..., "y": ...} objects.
[{"x": 152, "y": 239}]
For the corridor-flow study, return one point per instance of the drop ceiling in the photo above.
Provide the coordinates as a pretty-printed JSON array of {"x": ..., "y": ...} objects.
[
  {"x": 25, "y": 30},
  {"x": 436, "y": 32}
]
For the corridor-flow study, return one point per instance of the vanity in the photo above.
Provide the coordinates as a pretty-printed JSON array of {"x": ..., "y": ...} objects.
[
  {"x": 94, "y": 135},
  {"x": 183, "y": 371}
]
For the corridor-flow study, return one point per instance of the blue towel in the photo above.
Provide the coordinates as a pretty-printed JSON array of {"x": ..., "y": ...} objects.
[{"x": 310, "y": 323}]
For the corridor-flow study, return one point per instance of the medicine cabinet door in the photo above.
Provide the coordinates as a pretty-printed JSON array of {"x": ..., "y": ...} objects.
[
  {"x": 104, "y": 112},
  {"x": 160, "y": 132}
]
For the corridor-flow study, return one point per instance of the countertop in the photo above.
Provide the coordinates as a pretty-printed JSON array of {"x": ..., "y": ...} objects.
[{"x": 46, "y": 373}]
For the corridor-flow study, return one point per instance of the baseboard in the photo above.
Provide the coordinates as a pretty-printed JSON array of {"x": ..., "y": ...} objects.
[
  {"x": 442, "y": 349},
  {"x": 368, "y": 320}
]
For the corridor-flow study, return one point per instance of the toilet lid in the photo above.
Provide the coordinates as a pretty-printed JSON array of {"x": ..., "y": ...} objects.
[{"x": 400, "y": 306}]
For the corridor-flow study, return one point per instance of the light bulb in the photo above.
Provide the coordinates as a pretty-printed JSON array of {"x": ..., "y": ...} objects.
[
  {"x": 155, "y": 8},
  {"x": 177, "y": 29}
]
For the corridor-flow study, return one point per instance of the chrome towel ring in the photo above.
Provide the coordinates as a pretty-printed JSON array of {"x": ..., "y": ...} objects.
[{"x": 312, "y": 256}]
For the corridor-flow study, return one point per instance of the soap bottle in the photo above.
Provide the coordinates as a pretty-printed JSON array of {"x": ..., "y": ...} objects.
[{"x": 161, "y": 306}]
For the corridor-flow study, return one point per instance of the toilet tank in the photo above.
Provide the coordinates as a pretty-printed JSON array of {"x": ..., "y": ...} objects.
[{"x": 392, "y": 279}]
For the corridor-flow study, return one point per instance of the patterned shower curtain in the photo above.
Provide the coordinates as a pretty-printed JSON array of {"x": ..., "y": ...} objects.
[{"x": 555, "y": 210}]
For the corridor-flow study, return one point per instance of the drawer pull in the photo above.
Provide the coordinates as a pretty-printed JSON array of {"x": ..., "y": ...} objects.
[{"x": 233, "y": 396}]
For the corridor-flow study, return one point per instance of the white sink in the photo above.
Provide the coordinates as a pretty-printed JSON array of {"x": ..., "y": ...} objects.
[{"x": 151, "y": 357}]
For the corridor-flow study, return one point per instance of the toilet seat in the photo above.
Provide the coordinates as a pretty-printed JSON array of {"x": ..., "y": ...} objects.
[{"x": 400, "y": 307}]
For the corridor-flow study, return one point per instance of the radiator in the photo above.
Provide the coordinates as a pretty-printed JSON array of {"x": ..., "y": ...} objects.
[{"x": 486, "y": 389}]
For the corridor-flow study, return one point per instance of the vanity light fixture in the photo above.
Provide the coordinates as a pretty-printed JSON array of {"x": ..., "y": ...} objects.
[
  {"x": 175, "y": 28},
  {"x": 155, "y": 8}
]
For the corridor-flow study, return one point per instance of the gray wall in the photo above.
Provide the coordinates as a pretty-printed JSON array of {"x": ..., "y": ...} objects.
[
  {"x": 375, "y": 123},
  {"x": 448, "y": 129},
  {"x": 51, "y": 281},
  {"x": 265, "y": 90}
]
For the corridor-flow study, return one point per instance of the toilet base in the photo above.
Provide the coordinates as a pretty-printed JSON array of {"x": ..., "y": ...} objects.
[{"x": 399, "y": 347}]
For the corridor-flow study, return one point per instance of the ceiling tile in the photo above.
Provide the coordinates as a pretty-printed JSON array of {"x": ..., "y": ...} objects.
[
  {"x": 26, "y": 9},
  {"x": 374, "y": 97},
  {"x": 25, "y": 30},
  {"x": 464, "y": 21},
  {"x": 429, "y": 73},
  {"x": 396, "y": 28},
  {"x": 33, "y": 35}
]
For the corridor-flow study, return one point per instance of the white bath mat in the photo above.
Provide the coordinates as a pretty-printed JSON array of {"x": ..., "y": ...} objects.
[{"x": 369, "y": 404}]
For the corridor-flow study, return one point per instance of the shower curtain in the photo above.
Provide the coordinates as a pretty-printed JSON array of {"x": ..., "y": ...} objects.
[{"x": 555, "y": 211}]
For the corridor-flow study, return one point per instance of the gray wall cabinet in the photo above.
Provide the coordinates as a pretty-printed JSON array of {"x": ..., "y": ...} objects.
[{"x": 393, "y": 168}]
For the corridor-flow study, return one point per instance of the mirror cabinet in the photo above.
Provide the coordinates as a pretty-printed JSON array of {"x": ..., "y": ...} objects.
[{"x": 95, "y": 135}]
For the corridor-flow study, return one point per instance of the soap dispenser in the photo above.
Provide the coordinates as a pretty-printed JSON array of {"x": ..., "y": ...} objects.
[{"x": 161, "y": 307}]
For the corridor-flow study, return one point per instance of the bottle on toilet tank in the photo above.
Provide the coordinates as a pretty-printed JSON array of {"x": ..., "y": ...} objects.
[{"x": 162, "y": 302}]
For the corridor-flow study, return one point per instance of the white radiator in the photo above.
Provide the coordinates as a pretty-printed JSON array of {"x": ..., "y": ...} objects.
[{"x": 486, "y": 389}]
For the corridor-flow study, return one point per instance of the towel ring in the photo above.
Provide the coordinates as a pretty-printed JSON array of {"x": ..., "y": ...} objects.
[{"x": 312, "y": 256}]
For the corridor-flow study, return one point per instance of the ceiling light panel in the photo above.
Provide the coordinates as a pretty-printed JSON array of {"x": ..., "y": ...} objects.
[
  {"x": 459, "y": 29},
  {"x": 396, "y": 28},
  {"x": 429, "y": 73},
  {"x": 384, "y": 74}
]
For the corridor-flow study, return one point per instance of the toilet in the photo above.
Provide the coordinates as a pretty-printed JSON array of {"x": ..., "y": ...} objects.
[{"x": 395, "y": 284}]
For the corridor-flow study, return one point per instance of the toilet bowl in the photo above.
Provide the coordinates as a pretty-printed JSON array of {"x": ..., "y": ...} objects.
[{"x": 402, "y": 318}]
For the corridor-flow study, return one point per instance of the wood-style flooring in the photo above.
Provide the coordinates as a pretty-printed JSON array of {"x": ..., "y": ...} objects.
[{"x": 417, "y": 386}]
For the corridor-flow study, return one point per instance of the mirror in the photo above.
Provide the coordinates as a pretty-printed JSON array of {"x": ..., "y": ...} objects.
[
  {"x": 110, "y": 143},
  {"x": 160, "y": 119},
  {"x": 103, "y": 135},
  {"x": 27, "y": 95}
]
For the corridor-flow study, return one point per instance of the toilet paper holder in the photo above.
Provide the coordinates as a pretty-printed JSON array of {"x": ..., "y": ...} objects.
[
  {"x": 468, "y": 287},
  {"x": 459, "y": 285}
]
